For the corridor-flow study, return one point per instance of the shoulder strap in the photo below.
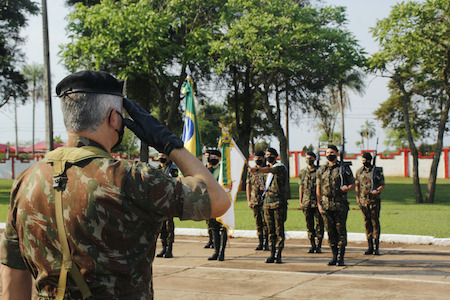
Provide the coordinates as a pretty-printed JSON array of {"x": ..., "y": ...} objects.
[{"x": 61, "y": 158}]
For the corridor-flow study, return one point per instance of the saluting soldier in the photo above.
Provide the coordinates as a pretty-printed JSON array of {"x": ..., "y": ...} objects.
[
  {"x": 308, "y": 203},
  {"x": 84, "y": 224},
  {"x": 369, "y": 201},
  {"x": 333, "y": 203},
  {"x": 167, "y": 234},
  {"x": 255, "y": 189}
]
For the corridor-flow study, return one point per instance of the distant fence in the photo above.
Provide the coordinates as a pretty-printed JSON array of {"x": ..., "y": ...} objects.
[{"x": 397, "y": 164}]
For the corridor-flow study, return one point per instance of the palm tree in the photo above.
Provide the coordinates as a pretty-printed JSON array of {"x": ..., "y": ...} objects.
[
  {"x": 34, "y": 74},
  {"x": 368, "y": 130}
]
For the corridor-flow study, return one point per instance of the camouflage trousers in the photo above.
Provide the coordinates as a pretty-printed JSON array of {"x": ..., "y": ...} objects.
[
  {"x": 336, "y": 224},
  {"x": 275, "y": 219},
  {"x": 371, "y": 214},
  {"x": 314, "y": 222},
  {"x": 261, "y": 227},
  {"x": 167, "y": 233}
]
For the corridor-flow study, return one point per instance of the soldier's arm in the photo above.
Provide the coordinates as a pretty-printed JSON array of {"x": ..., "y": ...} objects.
[
  {"x": 249, "y": 194},
  {"x": 189, "y": 165},
  {"x": 300, "y": 195},
  {"x": 357, "y": 191},
  {"x": 16, "y": 284},
  {"x": 319, "y": 197},
  {"x": 266, "y": 170}
]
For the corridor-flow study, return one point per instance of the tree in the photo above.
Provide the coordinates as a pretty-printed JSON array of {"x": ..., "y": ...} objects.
[
  {"x": 13, "y": 17},
  {"x": 415, "y": 54},
  {"x": 34, "y": 74},
  {"x": 368, "y": 131},
  {"x": 209, "y": 116}
]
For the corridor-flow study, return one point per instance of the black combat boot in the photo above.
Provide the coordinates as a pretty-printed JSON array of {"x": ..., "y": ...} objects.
[
  {"x": 377, "y": 247},
  {"x": 168, "y": 253},
  {"x": 333, "y": 262},
  {"x": 216, "y": 239},
  {"x": 271, "y": 258},
  {"x": 261, "y": 243},
  {"x": 278, "y": 258},
  {"x": 163, "y": 251},
  {"x": 313, "y": 245},
  {"x": 210, "y": 243},
  {"x": 266, "y": 242},
  {"x": 223, "y": 244},
  {"x": 341, "y": 256},
  {"x": 319, "y": 246},
  {"x": 370, "y": 250}
]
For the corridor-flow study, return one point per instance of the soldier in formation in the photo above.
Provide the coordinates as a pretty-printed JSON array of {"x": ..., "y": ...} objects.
[
  {"x": 308, "y": 203},
  {"x": 369, "y": 185},
  {"x": 255, "y": 189},
  {"x": 84, "y": 224},
  {"x": 332, "y": 185}
]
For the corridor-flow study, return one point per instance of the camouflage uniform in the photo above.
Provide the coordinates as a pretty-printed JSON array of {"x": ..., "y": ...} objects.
[
  {"x": 307, "y": 180},
  {"x": 275, "y": 207},
  {"x": 112, "y": 213},
  {"x": 256, "y": 181},
  {"x": 370, "y": 204},
  {"x": 334, "y": 202}
]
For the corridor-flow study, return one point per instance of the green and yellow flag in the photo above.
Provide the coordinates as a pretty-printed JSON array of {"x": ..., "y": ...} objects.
[{"x": 191, "y": 135}]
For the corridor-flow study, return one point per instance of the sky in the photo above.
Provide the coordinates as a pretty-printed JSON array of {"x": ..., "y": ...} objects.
[{"x": 361, "y": 15}]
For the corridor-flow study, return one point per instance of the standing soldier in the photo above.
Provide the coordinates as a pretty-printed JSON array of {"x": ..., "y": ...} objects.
[
  {"x": 255, "y": 190},
  {"x": 333, "y": 183},
  {"x": 308, "y": 203},
  {"x": 218, "y": 230},
  {"x": 275, "y": 203},
  {"x": 369, "y": 185},
  {"x": 210, "y": 243},
  {"x": 167, "y": 234}
]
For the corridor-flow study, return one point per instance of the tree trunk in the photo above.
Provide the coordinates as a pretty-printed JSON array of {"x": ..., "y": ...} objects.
[
  {"x": 34, "y": 120},
  {"x": 47, "y": 80},
  {"x": 431, "y": 187},
  {"x": 16, "y": 127},
  {"x": 341, "y": 106},
  {"x": 176, "y": 99}
]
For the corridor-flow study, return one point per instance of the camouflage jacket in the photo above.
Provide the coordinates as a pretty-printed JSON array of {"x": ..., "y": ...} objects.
[
  {"x": 276, "y": 193},
  {"x": 112, "y": 211},
  {"x": 256, "y": 182},
  {"x": 363, "y": 180},
  {"x": 329, "y": 180},
  {"x": 307, "y": 180}
]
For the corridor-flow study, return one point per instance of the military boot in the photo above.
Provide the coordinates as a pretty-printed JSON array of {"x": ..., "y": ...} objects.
[
  {"x": 168, "y": 253},
  {"x": 370, "y": 250},
  {"x": 278, "y": 258},
  {"x": 216, "y": 239},
  {"x": 271, "y": 258},
  {"x": 333, "y": 262},
  {"x": 313, "y": 245},
  {"x": 319, "y": 246},
  {"x": 163, "y": 251},
  {"x": 341, "y": 256},
  {"x": 223, "y": 245},
  {"x": 210, "y": 243},
  {"x": 266, "y": 242},
  {"x": 377, "y": 247},
  {"x": 261, "y": 243}
]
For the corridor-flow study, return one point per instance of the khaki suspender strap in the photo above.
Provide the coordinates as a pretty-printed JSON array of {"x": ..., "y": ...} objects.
[{"x": 67, "y": 264}]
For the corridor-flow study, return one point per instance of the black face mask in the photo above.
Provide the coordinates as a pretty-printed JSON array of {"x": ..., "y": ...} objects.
[
  {"x": 120, "y": 132},
  {"x": 310, "y": 162},
  {"x": 259, "y": 162},
  {"x": 271, "y": 159},
  {"x": 367, "y": 164},
  {"x": 213, "y": 161},
  {"x": 331, "y": 157},
  {"x": 163, "y": 160}
]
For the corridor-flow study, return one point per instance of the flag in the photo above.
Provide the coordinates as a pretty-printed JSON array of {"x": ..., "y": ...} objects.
[
  {"x": 191, "y": 135},
  {"x": 231, "y": 169}
]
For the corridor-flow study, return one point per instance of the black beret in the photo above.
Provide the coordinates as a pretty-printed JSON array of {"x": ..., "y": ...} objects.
[
  {"x": 97, "y": 82},
  {"x": 367, "y": 156},
  {"x": 333, "y": 147},
  {"x": 259, "y": 153},
  {"x": 272, "y": 151},
  {"x": 215, "y": 152},
  {"x": 208, "y": 151},
  {"x": 310, "y": 153}
]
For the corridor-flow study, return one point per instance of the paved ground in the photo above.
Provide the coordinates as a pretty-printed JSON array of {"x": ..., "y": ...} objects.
[{"x": 403, "y": 271}]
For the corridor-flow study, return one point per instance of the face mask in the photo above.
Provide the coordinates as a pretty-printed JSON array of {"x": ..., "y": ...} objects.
[
  {"x": 271, "y": 159},
  {"x": 120, "y": 132},
  {"x": 259, "y": 162},
  {"x": 310, "y": 162},
  {"x": 163, "y": 160},
  {"x": 331, "y": 157},
  {"x": 213, "y": 161},
  {"x": 367, "y": 164}
]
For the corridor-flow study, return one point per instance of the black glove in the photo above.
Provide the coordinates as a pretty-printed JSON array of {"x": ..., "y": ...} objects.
[{"x": 149, "y": 130}]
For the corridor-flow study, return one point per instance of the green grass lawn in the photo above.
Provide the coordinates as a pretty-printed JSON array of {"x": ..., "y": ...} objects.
[{"x": 399, "y": 212}]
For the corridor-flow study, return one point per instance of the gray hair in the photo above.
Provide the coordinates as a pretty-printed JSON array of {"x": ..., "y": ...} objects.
[{"x": 87, "y": 111}]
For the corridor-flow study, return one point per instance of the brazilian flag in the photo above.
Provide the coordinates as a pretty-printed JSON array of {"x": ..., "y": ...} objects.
[{"x": 191, "y": 135}]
